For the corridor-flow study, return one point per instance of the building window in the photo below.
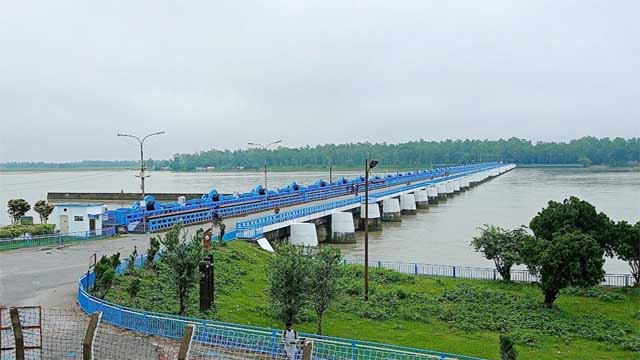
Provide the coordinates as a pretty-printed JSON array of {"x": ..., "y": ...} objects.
[{"x": 78, "y": 218}]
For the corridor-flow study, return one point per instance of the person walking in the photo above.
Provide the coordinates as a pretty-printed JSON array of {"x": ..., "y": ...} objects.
[{"x": 290, "y": 339}]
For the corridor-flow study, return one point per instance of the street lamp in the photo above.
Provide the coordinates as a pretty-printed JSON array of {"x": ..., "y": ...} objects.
[
  {"x": 142, "y": 175},
  {"x": 368, "y": 165},
  {"x": 265, "y": 147}
]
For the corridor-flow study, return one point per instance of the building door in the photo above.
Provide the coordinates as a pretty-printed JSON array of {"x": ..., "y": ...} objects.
[
  {"x": 64, "y": 223},
  {"x": 92, "y": 224}
]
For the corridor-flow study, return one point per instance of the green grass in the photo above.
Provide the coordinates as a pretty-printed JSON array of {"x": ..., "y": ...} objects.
[{"x": 443, "y": 314}]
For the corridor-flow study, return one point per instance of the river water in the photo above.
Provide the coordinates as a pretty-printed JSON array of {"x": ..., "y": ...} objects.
[{"x": 440, "y": 235}]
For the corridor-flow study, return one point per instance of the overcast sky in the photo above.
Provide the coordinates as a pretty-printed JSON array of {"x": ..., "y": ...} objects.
[{"x": 218, "y": 74}]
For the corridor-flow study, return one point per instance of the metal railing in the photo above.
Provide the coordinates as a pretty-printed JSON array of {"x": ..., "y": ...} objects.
[
  {"x": 476, "y": 273},
  {"x": 54, "y": 239},
  {"x": 253, "y": 228},
  {"x": 234, "y": 336}
]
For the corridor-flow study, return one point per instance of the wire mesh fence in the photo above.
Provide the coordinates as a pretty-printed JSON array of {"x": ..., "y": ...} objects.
[{"x": 61, "y": 334}]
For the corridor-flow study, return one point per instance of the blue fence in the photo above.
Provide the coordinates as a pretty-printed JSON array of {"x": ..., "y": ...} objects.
[
  {"x": 466, "y": 272},
  {"x": 254, "y": 228},
  {"x": 251, "y": 339},
  {"x": 54, "y": 239}
]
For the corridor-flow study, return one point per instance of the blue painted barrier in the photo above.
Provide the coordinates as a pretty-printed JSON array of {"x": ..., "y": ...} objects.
[{"x": 201, "y": 210}]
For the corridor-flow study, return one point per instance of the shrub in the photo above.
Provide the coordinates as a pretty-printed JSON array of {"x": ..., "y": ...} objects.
[
  {"x": 507, "y": 348},
  {"x": 11, "y": 231},
  {"x": 134, "y": 288}
]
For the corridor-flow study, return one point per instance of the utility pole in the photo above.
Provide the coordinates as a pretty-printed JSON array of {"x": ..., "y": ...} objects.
[
  {"x": 142, "y": 175},
  {"x": 265, "y": 147},
  {"x": 368, "y": 165}
]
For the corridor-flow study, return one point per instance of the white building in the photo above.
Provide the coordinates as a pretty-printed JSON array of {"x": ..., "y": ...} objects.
[{"x": 78, "y": 218}]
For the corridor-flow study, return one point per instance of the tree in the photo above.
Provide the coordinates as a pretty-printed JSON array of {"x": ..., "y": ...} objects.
[
  {"x": 43, "y": 209},
  {"x": 502, "y": 246},
  {"x": 154, "y": 249},
  {"x": 131, "y": 261},
  {"x": 183, "y": 260},
  {"x": 572, "y": 215},
  {"x": 626, "y": 246},
  {"x": 104, "y": 275},
  {"x": 17, "y": 208},
  {"x": 507, "y": 348},
  {"x": 288, "y": 276},
  {"x": 324, "y": 272},
  {"x": 134, "y": 287},
  {"x": 568, "y": 259}
]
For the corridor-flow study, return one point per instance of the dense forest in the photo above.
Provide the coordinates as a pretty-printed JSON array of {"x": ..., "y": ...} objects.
[{"x": 585, "y": 151}]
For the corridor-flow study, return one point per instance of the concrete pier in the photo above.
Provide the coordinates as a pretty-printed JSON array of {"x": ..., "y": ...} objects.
[
  {"x": 303, "y": 234},
  {"x": 449, "y": 186},
  {"x": 456, "y": 186},
  {"x": 432, "y": 194},
  {"x": 375, "y": 221},
  {"x": 422, "y": 199},
  {"x": 407, "y": 204},
  {"x": 391, "y": 210},
  {"x": 442, "y": 191},
  {"x": 342, "y": 229},
  {"x": 464, "y": 183}
]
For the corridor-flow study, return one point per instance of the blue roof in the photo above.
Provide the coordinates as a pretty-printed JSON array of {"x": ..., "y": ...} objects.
[{"x": 78, "y": 204}]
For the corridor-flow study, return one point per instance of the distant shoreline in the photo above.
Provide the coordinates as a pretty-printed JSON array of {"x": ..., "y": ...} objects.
[{"x": 326, "y": 169}]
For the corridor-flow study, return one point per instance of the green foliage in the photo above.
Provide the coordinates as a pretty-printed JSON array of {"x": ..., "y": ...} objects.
[
  {"x": 502, "y": 246},
  {"x": 288, "y": 276},
  {"x": 114, "y": 259},
  {"x": 569, "y": 259},
  {"x": 134, "y": 287},
  {"x": 594, "y": 292},
  {"x": 324, "y": 272},
  {"x": 182, "y": 258},
  {"x": 573, "y": 215},
  {"x": 131, "y": 261},
  {"x": 585, "y": 161},
  {"x": 626, "y": 246},
  {"x": 11, "y": 231},
  {"x": 43, "y": 209},
  {"x": 17, "y": 208},
  {"x": 507, "y": 348},
  {"x": 586, "y": 150},
  {"x": 616, "y": 152},
  {"x": 152, "y": 251},
  {"x": 104, "y": 275},
  {"x": 426, "y": 312}
]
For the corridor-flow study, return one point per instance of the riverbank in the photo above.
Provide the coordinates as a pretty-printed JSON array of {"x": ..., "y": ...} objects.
[
  {"x": 450, "y": 315},
  {"x": 335, "y": 169}
]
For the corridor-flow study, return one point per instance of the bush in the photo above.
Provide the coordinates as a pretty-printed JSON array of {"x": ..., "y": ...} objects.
[
  {"x": 11, "y": 231},
  {"x": 507, "y": 348}
]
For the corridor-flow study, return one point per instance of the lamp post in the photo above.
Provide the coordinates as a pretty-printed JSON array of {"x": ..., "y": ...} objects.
[
  {"x": 265, "y": 147},
  {"x": 142, "y": 175},
  {"x": 368, "y": 165}
]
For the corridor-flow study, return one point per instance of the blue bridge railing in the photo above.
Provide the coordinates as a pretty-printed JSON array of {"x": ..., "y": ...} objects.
[
  {"x": 254, "y": 228},
  {"x": 200, "y": 210}
]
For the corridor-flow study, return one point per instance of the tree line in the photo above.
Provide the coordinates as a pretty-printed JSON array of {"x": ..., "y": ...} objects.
[{"x": 585, "y": 151}]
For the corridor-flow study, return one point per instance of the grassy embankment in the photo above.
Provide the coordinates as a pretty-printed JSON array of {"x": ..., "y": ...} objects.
[{"x": 451, "y": 315}]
